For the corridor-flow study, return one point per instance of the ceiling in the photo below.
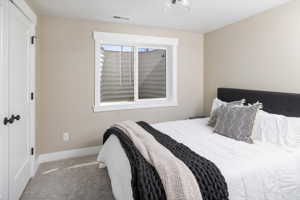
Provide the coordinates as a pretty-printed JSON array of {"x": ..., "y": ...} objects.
[{"x": 205, "y": 15}]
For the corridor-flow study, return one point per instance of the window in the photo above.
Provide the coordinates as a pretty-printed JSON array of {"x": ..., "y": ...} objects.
[{"x": 133, "y": 71}]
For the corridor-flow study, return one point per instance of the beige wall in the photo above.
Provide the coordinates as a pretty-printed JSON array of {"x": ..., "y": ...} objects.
[
  {"x": 66, "y": 82},
  {"x": 262, "y": 52}
]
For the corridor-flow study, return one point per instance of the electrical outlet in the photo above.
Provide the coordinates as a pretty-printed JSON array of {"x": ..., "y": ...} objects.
[{"x": 66, "y": 137}]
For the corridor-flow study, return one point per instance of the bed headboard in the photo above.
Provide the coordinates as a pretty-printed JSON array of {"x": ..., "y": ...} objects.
[{"x": 287, "y": 104}]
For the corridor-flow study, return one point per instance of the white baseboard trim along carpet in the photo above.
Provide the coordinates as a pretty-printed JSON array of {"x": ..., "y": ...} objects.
[{"x": 68, "y": 154}]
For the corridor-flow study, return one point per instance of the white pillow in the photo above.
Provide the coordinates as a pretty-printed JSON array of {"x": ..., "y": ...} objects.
[
  {"x": 275, "y": 129},
  {"x": 295, "y": 125},
  {"x": 216, "y": 104}
]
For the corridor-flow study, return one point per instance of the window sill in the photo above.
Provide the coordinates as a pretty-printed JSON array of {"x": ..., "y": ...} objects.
[{"x": 105, "y": 107}]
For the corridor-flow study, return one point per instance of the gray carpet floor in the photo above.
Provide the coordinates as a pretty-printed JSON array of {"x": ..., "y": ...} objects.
[{"x": 71, "y": 179}]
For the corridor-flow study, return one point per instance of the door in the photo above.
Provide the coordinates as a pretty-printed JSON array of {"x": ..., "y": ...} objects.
[
  {"x": 3, "y": 102},
  {"x": 19, "y": 102}
]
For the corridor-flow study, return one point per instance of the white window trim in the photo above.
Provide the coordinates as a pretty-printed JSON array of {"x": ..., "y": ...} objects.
[{"x": 138, "y": 41}]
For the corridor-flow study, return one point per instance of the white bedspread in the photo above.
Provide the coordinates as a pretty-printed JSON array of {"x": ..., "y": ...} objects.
[{"x": 252, "y": 171}]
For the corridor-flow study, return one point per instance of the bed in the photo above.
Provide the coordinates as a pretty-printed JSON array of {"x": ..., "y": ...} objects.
[{"x": 256, "y": 171}]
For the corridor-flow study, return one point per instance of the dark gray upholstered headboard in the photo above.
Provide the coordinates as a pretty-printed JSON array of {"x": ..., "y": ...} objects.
[{"x": 287, "y": 104}]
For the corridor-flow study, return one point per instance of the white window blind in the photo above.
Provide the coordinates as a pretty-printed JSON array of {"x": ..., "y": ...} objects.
[
  {"x": 117, "y": 83},
  {"x": 152, "y": 73}
]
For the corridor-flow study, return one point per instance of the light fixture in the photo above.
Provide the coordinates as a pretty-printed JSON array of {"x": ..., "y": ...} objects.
[{"x": 177, "y": 7}]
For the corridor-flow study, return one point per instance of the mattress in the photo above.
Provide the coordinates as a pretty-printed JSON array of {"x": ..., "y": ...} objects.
[{"x": 256, "y": 171}]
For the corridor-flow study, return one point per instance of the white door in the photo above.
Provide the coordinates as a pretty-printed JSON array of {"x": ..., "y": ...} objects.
[
  {"x": 3, "y": 102},
  {"x": 19, "y": 102}
]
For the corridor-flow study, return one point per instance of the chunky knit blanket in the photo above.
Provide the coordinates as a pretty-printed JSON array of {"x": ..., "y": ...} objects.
[
  {"x": 146, "y": 183},
  {"x": 178, "y": 180}
]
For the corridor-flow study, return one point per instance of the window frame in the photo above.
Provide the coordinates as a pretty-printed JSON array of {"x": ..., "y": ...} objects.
[{"x": 137, "y": 41}]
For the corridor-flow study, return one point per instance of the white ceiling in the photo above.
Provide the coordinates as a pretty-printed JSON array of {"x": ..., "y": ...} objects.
[{"x": 205, "y": 15}]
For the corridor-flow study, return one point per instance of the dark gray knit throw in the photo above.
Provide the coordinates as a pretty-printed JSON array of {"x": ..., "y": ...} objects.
[{"x": 145, "y": 182}]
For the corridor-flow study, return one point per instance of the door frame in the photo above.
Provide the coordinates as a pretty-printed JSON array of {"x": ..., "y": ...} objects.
[{"x": 25, "y": 9}]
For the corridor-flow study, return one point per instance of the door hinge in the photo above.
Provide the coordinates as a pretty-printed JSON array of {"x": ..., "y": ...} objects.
[
  {"x": 33, "y": 40},
  {"x": 32, "y": 151},
  {"x": 32, "y": 96}
]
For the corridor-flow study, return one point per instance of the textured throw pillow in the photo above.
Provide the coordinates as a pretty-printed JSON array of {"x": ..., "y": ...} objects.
[
  {"x": 237, "y": 122},
  {"x": 217, "y": 103}
]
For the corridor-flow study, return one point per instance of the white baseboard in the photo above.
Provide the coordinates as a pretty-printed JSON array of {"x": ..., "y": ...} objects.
[
  {"x": 35, "y": 167},
  {"x": 68, "y": 154}
]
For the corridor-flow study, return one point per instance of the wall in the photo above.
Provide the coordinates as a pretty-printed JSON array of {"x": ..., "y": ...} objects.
[
  {"x": 262, "y": 52},
  {"x": 66, "y": 82}
]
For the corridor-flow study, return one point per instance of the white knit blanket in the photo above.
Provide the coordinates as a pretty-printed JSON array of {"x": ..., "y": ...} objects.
[{"x": 178, "y": 180}]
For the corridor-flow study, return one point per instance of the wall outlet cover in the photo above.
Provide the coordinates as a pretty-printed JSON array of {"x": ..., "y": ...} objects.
[{"x": 66, "y": 137}]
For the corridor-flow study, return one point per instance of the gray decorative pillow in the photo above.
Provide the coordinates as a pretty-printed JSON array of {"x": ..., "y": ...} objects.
[
  {"x": 237, "y": 121},
  {"x": 218, "y": 103}
]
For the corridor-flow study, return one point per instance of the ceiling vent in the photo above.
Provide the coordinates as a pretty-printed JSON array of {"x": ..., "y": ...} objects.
[{"x": 121, "y": 18}]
